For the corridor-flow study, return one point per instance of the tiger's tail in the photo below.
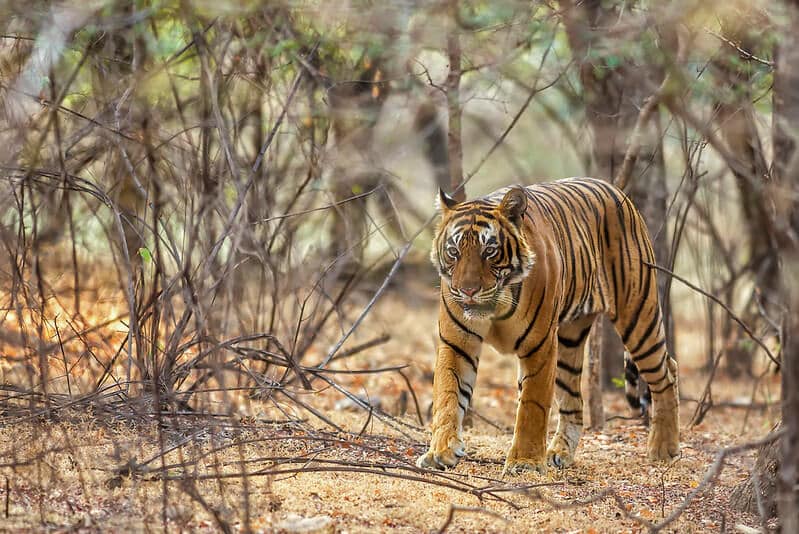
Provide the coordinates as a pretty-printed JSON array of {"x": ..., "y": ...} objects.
[{"x": 637, "y": 391}]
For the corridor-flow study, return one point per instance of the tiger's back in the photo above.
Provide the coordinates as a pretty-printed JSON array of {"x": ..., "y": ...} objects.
[
  {"x": 587, "y": 251},
  {"x": 605, "y": 247}
]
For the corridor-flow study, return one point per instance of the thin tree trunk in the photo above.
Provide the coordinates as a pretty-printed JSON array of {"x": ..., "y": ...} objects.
[
  {"x": 434, "y": 143},
  {"x": 596, "y": 411},
  {"x": 455, "y": 144}
]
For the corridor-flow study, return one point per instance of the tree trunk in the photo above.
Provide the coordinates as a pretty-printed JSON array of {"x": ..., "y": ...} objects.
[
  {"x": 455, "y": 150},
  {"x": 764, "y": 477},
  {"x": 434, "y": 142},
  {"x": 785, "y": 186},
  {"x": 736, "y": 119},
  {"x": 788, "y": 480},
  {"x": 355, "y": 106},
  {"x": 596, "y": 411},
  {"x": 786, "y": 169}
]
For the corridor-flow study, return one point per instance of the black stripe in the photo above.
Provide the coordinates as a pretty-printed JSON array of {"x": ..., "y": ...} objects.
[
  {"x": 533, "y": 401},
  {"x": 472, "y": 210},
  {"x": 505, "y": 246},
  {"x": 619, "y": 198},
  {"x": 457, "y": 322},
  {"x": 614, "y": 193},
  {"x": 624, "y": 250},
  {"x": 463, "y": 391},
  {"x": 569, "y": 369},
  {"x": 573, "y": 343},
  {"x": 515, "y": 291},
  {"x": 655, "y": 368},
  {"x": 531, "y": 375},
  {"x": 630, "y": 372},
  {"x": 532, "y": 322},
  {"x": 597, "y": 203},
  {"x": 654, "y": 348},
  {"x": 602, "y": 192},
  {"x": 512, "y": 248},
  {"x": 570, "y": 412},
  {"x": 566, "y": 388},
  {"x": 659, "y": 391},
  {"x": 540, "y": 343},
  {"x": 634, "y": 317},
  {"x": 558, "y": 201},
  {"x": 460, "y": 352},
  {"x": 636, "y": 223},
  {"x": 647, "y": 333},
  {"x": 659, "y": 380},
  {"x": 633, "y": 400},
  {"x": 579, "y": 193}
]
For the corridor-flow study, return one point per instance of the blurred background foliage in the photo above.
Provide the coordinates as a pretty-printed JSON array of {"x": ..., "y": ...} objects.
[{"x": 239, "y": 167}]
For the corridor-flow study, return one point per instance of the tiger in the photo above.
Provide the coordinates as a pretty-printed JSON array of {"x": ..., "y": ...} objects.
[{"x": 527, "y": 270}]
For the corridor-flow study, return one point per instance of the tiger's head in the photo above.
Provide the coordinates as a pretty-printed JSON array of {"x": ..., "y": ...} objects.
[{"x": 480, "y": 249}]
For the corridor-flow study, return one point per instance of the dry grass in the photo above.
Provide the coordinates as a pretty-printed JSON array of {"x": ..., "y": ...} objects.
[{"x": 70, "y": 472}]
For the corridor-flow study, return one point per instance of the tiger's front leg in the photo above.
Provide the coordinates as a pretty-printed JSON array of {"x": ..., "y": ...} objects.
[
  {"x": 453, "y": 384},
  {"x": 536, "y": 388}
]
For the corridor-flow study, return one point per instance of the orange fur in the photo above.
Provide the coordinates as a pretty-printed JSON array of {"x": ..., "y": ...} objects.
[{"x": 526, "y": 270}]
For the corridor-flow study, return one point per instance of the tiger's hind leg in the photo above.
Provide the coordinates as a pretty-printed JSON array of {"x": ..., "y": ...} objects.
[
  {"x": 637, "y": 391},
  {"x": 571, "y": 344},
  {"x": 645, "y": 340}
]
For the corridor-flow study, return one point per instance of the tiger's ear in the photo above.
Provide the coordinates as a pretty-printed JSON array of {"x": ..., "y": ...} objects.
[
  {"x": 444, "y": 201},
  {"x": 513, "y": 204}
]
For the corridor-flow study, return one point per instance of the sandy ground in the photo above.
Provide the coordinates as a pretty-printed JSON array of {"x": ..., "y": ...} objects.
[{"x": 69, "y": 473}]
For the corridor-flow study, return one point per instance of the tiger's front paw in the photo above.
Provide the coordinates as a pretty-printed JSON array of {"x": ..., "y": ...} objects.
[
  {"x": 443, "y": 457},
  {"x": 518, "y": 463},
  {"x": 520, "y": 466}
]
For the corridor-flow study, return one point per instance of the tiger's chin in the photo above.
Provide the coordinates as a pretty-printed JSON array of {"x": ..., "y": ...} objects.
[{"x": 478, "y": 310}]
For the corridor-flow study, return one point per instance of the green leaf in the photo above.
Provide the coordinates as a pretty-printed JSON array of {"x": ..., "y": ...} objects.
[
  {"x": 145, "y": 254},
  {"x": 618, "y": 382}
]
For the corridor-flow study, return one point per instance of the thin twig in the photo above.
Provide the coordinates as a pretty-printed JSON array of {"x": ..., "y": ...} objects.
[
  {"x": 453, "y": 508},
  {"x": 380, "y": 290},
  {"x": 745, "y": 54},
  {"x": 732, "y": 314}
]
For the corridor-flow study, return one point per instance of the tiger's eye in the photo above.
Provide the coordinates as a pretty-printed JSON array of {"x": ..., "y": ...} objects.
[{"x": 489, "y": 251}]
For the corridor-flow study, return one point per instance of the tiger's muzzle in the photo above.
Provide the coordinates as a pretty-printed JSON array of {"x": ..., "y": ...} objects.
[{"x": 474, "y": 301}]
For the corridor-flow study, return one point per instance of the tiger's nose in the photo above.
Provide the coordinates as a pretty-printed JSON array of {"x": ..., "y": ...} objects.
[{"x": 469, "y": 291}]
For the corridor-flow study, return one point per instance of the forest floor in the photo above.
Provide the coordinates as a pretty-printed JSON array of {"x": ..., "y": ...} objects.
[{"x": 84, "y": 472}]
